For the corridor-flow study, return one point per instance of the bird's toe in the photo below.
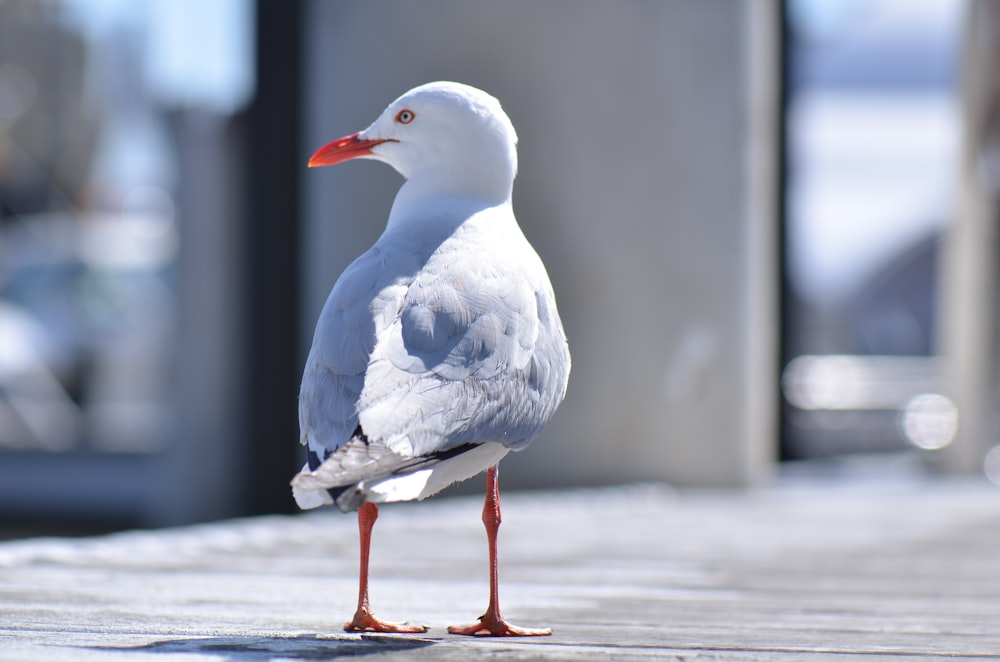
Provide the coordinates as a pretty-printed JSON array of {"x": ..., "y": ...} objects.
[
  {"x": 365, "y": 621},
  {"x": 497, "y": 627}
]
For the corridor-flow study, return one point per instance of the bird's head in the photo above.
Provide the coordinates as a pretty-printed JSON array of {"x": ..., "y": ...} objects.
[{"x": 445, "y": 138}]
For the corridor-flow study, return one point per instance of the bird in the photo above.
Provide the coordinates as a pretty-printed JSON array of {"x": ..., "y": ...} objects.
[{"x": 440, "y": 349}]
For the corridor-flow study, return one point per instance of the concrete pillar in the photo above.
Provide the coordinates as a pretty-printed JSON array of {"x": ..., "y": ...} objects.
[
  {"x": 647, "y": 184},
  {"x": 198, "y": 476},
  {"x": 968, "y": 309}
]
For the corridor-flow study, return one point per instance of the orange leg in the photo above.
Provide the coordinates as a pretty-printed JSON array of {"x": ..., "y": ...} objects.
[
  {"x": 364, "y": 620},
  {"x": 492, "y": 624}
]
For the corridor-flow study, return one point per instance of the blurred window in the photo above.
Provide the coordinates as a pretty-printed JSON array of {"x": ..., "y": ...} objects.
[
  {"x": 873, "y": 137},
  {"x": 89, "y": 227}
]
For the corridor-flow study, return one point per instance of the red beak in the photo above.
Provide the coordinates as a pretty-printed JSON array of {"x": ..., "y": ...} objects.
[{"x": 343, "y": 149}]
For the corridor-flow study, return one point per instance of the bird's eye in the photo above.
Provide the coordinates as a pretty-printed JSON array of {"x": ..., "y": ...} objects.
[{"x": 405, "y": 116}]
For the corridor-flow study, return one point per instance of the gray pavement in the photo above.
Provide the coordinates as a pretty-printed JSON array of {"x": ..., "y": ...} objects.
[{"x": 904, "y": 571}]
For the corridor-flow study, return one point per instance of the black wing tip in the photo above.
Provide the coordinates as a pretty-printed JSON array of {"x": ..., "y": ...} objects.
[
  {"x": 347, "y": 498},
  {"x": 423, "y": 461},
  {"x": 313, "y": 459}
]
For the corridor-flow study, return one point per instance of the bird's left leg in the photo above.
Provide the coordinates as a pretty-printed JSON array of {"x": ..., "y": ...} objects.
[
  {"x": 364, "y": 620},
  {"x": 492, "y": 624}
]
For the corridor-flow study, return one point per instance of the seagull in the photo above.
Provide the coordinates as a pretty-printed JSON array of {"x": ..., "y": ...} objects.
[{"x": 440, "y": 349}]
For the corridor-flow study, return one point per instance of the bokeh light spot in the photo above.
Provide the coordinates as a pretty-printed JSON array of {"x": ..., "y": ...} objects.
[{"x": 929, "y": 421}]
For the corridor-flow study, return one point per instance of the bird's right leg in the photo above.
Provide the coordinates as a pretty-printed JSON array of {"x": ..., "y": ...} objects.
[{"x": 364, "y": 620}]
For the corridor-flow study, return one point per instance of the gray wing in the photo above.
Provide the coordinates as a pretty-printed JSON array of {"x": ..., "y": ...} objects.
[
  {"x": 466, "y": 355},
  {"x": 343, "y": 342},
  {"x": 463, "y": 350}
]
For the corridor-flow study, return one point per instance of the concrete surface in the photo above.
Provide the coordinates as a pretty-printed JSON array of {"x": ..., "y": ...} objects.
[{"x": 903, "y": 571}]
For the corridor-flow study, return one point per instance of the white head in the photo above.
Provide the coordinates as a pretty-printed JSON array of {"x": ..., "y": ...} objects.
[{"x": 445, "y": 138}]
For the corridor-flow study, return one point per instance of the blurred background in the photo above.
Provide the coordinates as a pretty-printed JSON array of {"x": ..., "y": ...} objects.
[{"x": 771, "y": 227}]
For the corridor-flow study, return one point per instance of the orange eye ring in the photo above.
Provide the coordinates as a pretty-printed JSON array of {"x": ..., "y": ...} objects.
[{"x": 405, "y": 116}]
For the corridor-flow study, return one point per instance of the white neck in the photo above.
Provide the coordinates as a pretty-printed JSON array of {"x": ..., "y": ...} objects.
[
  {"x": 467, "y": 189},
  {"x": 416, "y": 207}
]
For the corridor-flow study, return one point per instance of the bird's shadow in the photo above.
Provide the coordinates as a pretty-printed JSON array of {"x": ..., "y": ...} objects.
[{"x": 302, "y": 647}]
